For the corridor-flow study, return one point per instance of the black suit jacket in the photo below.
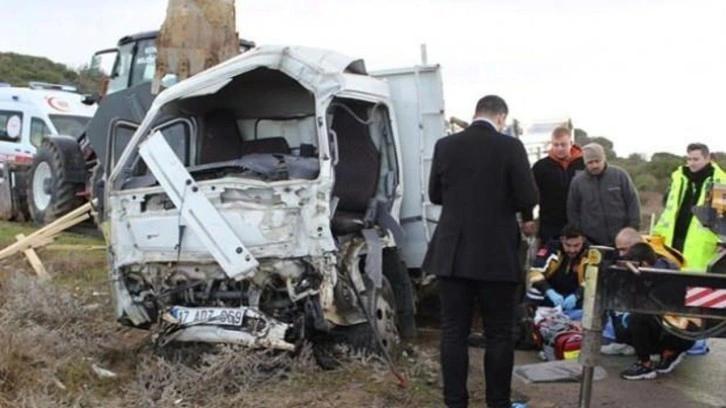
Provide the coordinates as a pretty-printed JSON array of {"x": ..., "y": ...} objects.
[{"x": 482, "y": 179}]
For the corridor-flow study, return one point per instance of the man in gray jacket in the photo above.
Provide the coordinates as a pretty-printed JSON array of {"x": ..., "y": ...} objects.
[{"x": 602, "y": 200}]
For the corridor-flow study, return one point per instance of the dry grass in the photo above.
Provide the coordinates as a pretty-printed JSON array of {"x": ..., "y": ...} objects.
[
  {"x": 46, "y": 338},
  {"x": 52, "y": 334},
  {"x": 49, "y": 342}
]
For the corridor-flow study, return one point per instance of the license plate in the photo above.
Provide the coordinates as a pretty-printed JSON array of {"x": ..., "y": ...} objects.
[{"x": 208, "y": 315}]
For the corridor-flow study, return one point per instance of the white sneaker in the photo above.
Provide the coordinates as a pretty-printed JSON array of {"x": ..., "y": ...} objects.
[{"x": 617, "y": 349}]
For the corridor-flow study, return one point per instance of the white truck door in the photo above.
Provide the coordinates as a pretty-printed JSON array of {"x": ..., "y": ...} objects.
[{"x": 417, "y": 95}]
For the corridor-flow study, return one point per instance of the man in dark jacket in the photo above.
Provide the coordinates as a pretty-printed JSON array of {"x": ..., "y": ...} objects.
[
  {"x": 482, "y": 179},
  {"x": 553, "y": 175},
  {"x": 602, "y": 200}
]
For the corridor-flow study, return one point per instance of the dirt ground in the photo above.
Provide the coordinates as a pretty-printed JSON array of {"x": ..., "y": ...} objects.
[{"x": 61, "y": 347}]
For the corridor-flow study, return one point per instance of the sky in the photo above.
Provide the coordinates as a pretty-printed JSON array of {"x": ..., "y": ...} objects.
[{"x": 647, "y": 74}]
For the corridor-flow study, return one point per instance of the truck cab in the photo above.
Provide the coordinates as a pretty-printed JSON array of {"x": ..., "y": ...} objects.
[{"x": 275, "y": 198}]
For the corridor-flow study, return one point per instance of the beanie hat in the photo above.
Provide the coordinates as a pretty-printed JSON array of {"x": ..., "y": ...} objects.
[{"x": 593, "y": 151}]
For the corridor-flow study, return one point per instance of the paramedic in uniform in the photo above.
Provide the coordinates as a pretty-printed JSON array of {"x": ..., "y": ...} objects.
[
  {"x": 481, "y": 178},
  {"x": 557, "y": 276}
]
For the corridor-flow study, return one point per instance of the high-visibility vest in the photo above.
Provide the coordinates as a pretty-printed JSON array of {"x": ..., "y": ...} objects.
[
  {"x": 664, "y": 251},
  {"x": 701, "y": 244}
]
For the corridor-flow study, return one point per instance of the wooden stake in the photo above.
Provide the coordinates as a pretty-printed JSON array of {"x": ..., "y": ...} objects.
[
  {"x": 35, "y": 262},
  {"x": 74, "y": 247},
  {"x": 74, "y": 217}
]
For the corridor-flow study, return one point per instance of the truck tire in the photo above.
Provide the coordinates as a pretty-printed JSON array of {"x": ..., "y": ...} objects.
[
  {"x": 53, "y": 181},
  {"x": 395, "y": 270},
  {"x": 360, "y": 338},
  {"x": 382, "y": 309},
  {"x": 13, "y": 201}
]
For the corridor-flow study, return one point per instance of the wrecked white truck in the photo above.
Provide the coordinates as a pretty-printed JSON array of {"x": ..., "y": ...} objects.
[{"x": 275, "y": 198}]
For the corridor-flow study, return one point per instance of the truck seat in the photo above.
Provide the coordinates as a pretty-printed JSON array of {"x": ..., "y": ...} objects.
[
  {"x": 356, "y": 174},
  {"x": 221, "y": 140}
]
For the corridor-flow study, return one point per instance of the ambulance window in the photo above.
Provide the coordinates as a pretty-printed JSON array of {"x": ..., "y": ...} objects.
[
  {"x": 11, "y": 126},
  {"x": 38, "y": 130}
]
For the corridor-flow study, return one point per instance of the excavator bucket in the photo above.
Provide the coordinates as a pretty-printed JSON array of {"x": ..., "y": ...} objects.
[{"x": 196, "y": 35}]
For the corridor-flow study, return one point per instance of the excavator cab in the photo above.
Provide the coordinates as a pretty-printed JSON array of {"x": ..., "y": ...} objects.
[{"x": 132, "y": 62}]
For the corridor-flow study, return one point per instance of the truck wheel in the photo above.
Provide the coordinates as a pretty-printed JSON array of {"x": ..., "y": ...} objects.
[
  {"x": 395, "y": 270},
  {"x": 382, "y": 309},
  {"x": 360, "y": 337},
  {"x": 50, "y": 194},
  {"x": 13, "y": 202}
]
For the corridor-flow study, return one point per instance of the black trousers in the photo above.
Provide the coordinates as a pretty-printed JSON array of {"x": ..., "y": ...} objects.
[
  {"x": 496, "y": 304},
  {"x": 649, "y": 337}
]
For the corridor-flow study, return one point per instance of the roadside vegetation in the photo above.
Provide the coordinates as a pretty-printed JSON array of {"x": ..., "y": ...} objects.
[{"x": 60, "y": 346}]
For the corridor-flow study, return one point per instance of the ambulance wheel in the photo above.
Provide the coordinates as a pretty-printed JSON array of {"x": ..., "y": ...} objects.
[{"x": 50, "y": 193}]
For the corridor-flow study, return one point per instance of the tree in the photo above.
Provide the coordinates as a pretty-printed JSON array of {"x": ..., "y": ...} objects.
[
  {"x": 581, "y": 138},
  {"x": 19, "y": 69},
  {"x": 637, "y": 157},
  {"x": 646, "y": 182},
  {"x": 720, "y": 158},
  {"x": 89, "y": 80},
  {"x": 662, "y": 164}
]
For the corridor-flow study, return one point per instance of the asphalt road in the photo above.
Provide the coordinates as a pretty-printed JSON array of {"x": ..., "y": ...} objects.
[{"x": 699, "y": 382}]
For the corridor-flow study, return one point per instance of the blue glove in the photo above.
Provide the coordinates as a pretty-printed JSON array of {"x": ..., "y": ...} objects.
[
  {"x": 555, "y": 297},
  {"x": 570, "y": 302}
]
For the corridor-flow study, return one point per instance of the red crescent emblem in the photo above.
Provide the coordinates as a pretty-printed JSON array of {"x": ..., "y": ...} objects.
[{"x": 58, "y": 104}]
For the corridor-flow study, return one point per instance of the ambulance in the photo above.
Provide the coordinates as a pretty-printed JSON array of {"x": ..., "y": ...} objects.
[{"x": 27, "y": 114}]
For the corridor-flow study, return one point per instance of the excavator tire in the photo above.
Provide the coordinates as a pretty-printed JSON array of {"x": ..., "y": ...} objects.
[{"x": 55, "y": 179}]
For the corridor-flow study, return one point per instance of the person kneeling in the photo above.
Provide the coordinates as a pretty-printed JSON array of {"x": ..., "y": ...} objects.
[
  {"x": 647, "y": 332},
  {"x": 558, "y": 273}
]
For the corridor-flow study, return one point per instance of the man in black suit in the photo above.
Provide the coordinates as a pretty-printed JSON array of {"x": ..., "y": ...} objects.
[{"x": 482, "y": 179}]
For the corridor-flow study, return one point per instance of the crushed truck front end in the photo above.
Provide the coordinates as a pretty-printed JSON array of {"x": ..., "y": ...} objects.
[{"x": 219, "y": 207}]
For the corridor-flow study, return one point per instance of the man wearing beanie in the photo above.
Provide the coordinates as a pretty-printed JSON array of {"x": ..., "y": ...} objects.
[{"x": 602, "y": 200}]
